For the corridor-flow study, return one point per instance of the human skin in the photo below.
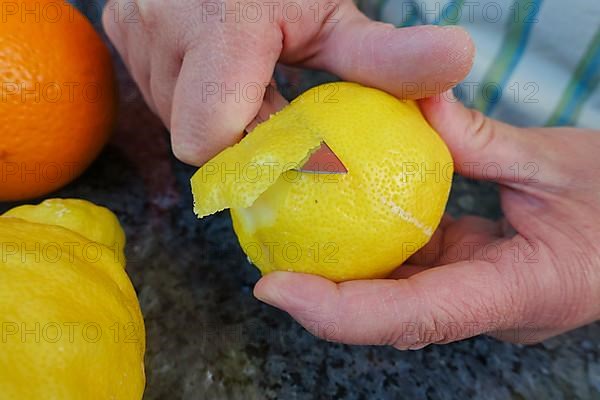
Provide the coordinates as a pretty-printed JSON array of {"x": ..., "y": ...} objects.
[
  {"x": 531, "y": 276},
  {"x": 179, "y": 52}
]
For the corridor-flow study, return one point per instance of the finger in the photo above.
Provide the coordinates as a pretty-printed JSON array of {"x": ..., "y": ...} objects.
[
  {"x": 507, "y": 229},
  {"x": 530, "y": 333},
  {"x": 464, "y": 239},
  {"x": 458, "y": 240},
  {"x": 113, "y": 29},
  {"x": 139, "y": 62},
  {"x": 424, "y": 258},
  {"x": 487, "y": 149},
  {"x": 129, "y": 43},
  {"x": 407, "y": 62},
  {"x": 429, "y": 254},
  {"x": 524, "y": 335},
  {"x": 165, "y": 66},
  {"x": 218, "y": 93},
  {"x": 439, "y": 305},
  {"x": 407, "y": 270},
  {"x": 272, "y": 103}
]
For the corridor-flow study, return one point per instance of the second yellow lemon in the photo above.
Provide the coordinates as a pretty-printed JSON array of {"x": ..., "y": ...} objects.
[
  {"x": 70, "y": 323},
  {"x": 358, "y": 225}
]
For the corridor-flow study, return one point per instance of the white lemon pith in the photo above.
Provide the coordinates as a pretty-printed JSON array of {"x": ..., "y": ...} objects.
[{"x": 358, "y": 225}]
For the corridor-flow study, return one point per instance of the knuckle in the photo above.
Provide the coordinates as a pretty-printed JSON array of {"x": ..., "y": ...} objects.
[
  {"x": 185, "y": 154},
  {"x": 328, "y": 331},
  {"x": 428, "y": 330},
  {"x": 480, "y": 131},
  {"x": 150, "y": 12},
  {"x": 443, "y": 322},
  {"x": 109, "y": 22}
]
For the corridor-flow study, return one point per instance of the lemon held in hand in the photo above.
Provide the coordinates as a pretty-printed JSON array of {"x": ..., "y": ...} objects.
[
  {"x": 71, "y": 326},
  {"x": 358, "y": 225}
]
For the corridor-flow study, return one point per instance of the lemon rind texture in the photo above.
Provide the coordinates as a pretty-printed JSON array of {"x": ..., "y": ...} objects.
[
  {"x": 237, "y": 176},
  {"x": 62, "y": 286},
  {"x": 95, "y": 223},
  {"x": 359, "y": 225}
]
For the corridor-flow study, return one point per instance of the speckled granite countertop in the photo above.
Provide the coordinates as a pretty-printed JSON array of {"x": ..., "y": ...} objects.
[{"x": 208, "y": 338}]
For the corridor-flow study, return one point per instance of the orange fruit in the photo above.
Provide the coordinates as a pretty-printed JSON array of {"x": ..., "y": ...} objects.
[{"x": 57, "y": 96}]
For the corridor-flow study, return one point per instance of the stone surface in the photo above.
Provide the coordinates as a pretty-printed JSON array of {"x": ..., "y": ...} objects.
[{"x": 209, "y": 338}]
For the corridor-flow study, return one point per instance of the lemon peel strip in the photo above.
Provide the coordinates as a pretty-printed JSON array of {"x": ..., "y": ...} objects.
[
  {"x": 407, "y": 216},
  {"x": 237, "y": 176}
]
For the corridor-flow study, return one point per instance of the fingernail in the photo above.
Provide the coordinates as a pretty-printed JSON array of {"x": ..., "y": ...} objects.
[
  {"x": 267, "y": 295},
  {"x": 290, "y": 291},
  {"x": 267, "y": 289}
]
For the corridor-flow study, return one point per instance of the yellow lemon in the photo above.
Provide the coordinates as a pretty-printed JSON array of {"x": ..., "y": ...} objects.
[
  {"x": 358, "y": 225},
  {"x": 71, "y": 326}
]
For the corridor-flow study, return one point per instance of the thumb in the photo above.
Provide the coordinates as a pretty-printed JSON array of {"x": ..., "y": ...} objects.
[
  {"x": 440, "y": 305},
  {"x": 487, "y": 149},
  {"x": 409, "y": 63}
]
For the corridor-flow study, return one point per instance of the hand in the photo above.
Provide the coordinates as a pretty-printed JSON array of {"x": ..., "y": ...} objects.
[
  {"x": 531, "y": 276},
  {"x": 199, "y": 63}
]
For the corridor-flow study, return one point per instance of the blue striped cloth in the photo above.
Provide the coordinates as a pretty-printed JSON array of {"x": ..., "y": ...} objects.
[{"x": 537, "y": 62}]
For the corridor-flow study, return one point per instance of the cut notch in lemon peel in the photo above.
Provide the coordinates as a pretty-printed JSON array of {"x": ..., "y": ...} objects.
[
  {"x": 237, "y": 176},
  {"x": 358, "y": 225}
]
